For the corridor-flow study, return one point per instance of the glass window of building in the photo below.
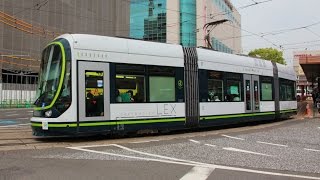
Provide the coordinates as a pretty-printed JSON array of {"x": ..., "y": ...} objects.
[
  {"x": 188, "y": 27},
  {"x": 148, "y": 20}
]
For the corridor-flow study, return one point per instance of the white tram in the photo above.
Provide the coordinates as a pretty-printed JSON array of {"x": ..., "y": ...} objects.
[{"x": 94, "y": 84}]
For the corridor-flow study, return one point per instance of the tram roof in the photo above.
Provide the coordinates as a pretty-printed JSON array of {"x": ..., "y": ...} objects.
[{"x": 124, "y": 45}]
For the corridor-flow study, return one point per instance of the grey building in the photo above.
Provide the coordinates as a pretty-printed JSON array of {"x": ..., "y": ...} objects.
[{"x": 26, "y": 26}]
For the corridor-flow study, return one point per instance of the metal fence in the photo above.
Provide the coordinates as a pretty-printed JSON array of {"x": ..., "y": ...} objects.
[{"x": 17, "y": 90}]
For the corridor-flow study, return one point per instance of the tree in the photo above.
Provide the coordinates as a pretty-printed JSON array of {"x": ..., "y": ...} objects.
[{"x": 270, "y": 54}]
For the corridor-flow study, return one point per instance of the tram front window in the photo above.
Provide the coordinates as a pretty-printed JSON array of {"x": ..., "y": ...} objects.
[
  {"x": 54, "y": 92},
  {"x": 49, "y": 76}
]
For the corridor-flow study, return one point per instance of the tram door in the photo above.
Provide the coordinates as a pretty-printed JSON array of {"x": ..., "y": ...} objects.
[
  {"x": 252, "y": 93},
  {"x": 93, "y": 92}
]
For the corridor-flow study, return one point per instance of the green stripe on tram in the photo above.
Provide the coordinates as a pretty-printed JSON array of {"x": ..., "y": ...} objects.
[
  {"x": 236, "y": 115},
  {"x": 287, "y": 111},
  {"x": 147, "y": 121},
  {"x": 151, "y": 121},
  {"x": 109, "y": 123}
]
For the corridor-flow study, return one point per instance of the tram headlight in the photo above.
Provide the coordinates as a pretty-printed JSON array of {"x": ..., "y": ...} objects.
[{"x": 48, "y": 113}]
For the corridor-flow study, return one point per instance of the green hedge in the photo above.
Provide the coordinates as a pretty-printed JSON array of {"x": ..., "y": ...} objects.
[{"x": 15, "y": 103}]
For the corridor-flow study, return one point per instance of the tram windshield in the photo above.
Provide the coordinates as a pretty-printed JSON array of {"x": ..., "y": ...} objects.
[
  {"x": 49, "y": 75},
  {"x": 54, "y": 68}
]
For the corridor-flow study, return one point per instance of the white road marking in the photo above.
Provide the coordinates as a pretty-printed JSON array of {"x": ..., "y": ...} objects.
[
  {"x": 211, "y": 145},
  {"x": 231, "y": 137},
  {"x": 265, "y": 172},
  {"x": 91, "y": 146},
  {"x": 261, "y": 142},
  {"x": 198, "y": 164},
  {"x": 198, "y": 142},
  {"x": 12, "y": 114},
  {"x": 137, "y": 142},
  {"x": 199, "y": 173},
  {"x": 315, "y": 150},
  {"x": 8, "y": 126},
  {"x": 15, "y": 125},
  {"x": 154, "y": 155},
  {"x": 245, "y": 151},
  {"x": 132, "y": 157},
  {"x": 23, "y": 118}
]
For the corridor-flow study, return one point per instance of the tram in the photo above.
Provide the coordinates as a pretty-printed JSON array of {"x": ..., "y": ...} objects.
[{"x": 92, "y": 84}]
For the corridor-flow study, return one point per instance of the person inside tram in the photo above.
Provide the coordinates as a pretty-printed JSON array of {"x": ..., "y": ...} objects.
[
  {"x": 236, "y": 97},
  {"x": 216, "y": 98},
  {"x": 99, "y": 105},
  {"x": 89, "y": 94},
  {"x": 127, "y": 97},
  {"x": 130, "y": 92},
  {"x": 118, "y": 97},
  {"x": 89, "y": 103}
]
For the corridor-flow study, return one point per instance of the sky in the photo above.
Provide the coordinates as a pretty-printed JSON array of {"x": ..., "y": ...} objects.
[{"x": 278, "y": 15}]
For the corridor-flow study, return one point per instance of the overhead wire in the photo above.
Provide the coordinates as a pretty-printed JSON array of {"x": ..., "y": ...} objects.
[{"x": 39, "y": 5}]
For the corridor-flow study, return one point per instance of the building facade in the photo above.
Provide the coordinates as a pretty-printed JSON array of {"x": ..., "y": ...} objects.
[
  {"x": 303, "y": 86},
  {"x": 26, "y": 26},
  {"x": 182, "y": 22}
]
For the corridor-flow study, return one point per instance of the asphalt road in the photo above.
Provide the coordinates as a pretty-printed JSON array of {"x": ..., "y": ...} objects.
[
  {"x": 15, "y": 117},
  {"x": 280, "y": 150}
]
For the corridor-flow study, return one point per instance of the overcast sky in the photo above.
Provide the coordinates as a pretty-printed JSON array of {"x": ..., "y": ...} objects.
[{"x": 278, "y": 15}]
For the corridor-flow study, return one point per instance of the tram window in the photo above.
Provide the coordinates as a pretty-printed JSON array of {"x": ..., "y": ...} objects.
[
  {"x": 287, "y": 90},
  {"x": 266, "y": 92},
  {"x": 256, "y": 95},
  {"x": 215, "y": 86},
  {"x": 266, "y": 88},
  {"x": 233, "y": 90},
  {"x": 283, "y": 92},
  {"x": 215, "y": 90},
  {"x": 161, "y": 71},
  {"x": 289, "y": 93},
  {"x": 162, "y": 89},
  {"x": 66, "y": 91},
  {"x": 248, "y": 95},
  {"x": 130, "y": 88},
  {"x": 94, "y": 93},
  {"x": 130, "y": 69}
]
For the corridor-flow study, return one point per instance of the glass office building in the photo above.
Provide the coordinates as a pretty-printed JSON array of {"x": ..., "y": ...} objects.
[
  {"x": 188, "y": 24},
  {"x": 182, "y": 22},
  {"x": 148, "y": 20}
]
